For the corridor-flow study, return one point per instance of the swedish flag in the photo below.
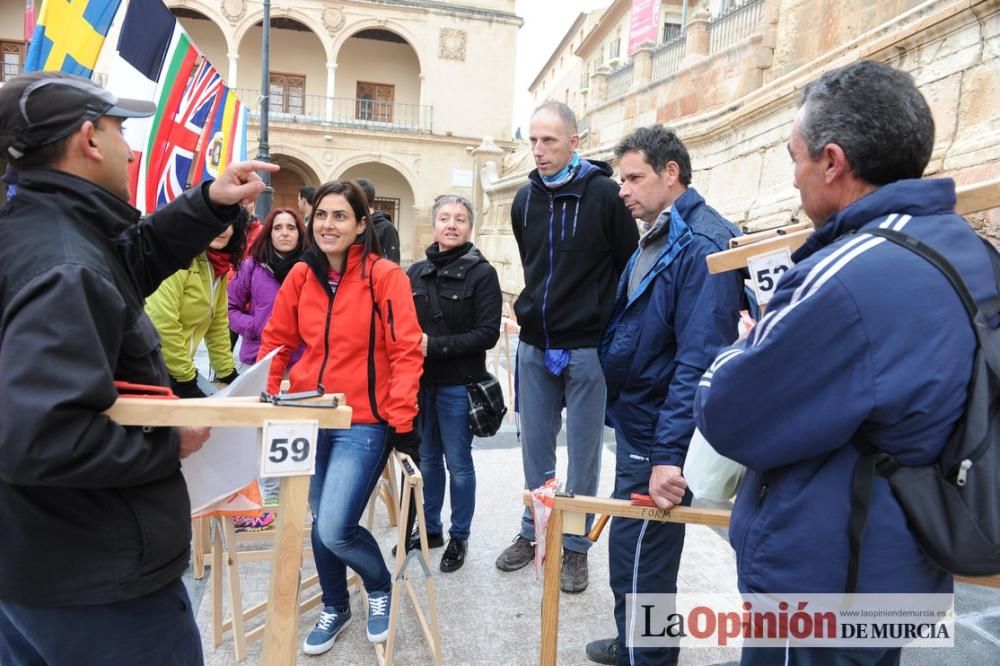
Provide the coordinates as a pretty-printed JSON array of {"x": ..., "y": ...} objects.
[{"x": 69, "y": 35}]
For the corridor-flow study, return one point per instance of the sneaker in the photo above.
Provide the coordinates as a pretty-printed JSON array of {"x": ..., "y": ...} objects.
[
  {"x": 604, "y": 651},
  {"x": 330, "y": 625},
  {"x": 517, "y": 555},
  {"x": 254, "y": 524},
  {"x": 454, "y": 555},
  {"x": 573, "y": 578},
  {"x": 378, "y": 616},
  {"x": 433, "y": 541}
]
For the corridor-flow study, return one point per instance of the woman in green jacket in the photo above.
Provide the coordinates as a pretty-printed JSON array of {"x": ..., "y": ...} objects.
[{"x": 193, "y": 305}]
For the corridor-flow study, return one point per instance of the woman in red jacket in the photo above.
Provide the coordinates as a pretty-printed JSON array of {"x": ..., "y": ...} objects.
[{"x": 353, "y": 311}]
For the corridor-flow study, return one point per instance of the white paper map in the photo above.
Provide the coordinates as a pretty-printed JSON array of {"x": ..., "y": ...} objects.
[{"x": 230, "y": 458}]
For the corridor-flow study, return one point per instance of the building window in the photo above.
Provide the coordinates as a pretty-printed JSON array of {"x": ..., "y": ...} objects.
[
  {"x": 288, "y": 93},
  {"x": 12, "y": 54},
  {"x": 615, "y": 47},
  {"x": 375, "y": 101},
  {"x": 671, "y": 31},
  {"x": 388, "y": 206}
]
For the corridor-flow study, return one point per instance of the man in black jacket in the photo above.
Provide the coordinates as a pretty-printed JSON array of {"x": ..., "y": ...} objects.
[
  {"x": 388, "y": 237},
  {"x": 96, "y": 515},
  {"x": 575, "y": 237}
]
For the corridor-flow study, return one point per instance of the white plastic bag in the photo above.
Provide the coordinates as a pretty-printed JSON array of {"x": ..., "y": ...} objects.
[{"x": 709, "y": 475}]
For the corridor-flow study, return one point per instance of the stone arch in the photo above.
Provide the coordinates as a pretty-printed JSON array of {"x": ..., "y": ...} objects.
[
  {"x": 211, "y": 13},
  {"x": 295, "y": 172},
  {"x": 206, "y": 43},
  {"x": 308, "y": 20},
  {"x": 393, "y": 181},
  {"x": 381, "y": 24}
]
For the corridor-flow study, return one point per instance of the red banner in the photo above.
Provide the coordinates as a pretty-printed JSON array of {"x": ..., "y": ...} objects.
[{"x": 644, "y": 25}]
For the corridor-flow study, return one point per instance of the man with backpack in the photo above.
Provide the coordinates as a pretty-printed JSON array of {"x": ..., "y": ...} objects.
[{"x": 866, "y": 346}]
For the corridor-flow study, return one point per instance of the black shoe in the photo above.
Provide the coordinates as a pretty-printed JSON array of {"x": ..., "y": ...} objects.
[
  {"x": 573, "y": 578},
  {"x": 454, "y": 555},
  {"x": 604, "y": 651},
  {"x": 433, "y": 541},
  {"x": 516, "y": 555}
]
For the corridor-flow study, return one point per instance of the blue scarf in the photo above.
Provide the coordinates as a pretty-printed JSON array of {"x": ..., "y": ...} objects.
[{"x": 565, "y": 175}]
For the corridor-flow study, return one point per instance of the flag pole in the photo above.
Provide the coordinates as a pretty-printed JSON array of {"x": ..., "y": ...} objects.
[{"x": 265, "y": 199}]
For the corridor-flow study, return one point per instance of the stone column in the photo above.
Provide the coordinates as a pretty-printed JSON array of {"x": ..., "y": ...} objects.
[
  {"x": 480, "y": 155},
  {"x": 331, "y": 87},
  {"x": 234, "y": 61},
  {"x": 642, "y": 64},
  {"x": 696, "y": 35}
]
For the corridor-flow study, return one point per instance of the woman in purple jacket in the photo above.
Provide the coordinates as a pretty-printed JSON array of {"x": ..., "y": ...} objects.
[{"x": 251, "y": 293}]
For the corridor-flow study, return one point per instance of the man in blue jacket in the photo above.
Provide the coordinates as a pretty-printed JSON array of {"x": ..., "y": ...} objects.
[
  {"x": 862, "y": 339},
  {"x": 669, "y": 321}
]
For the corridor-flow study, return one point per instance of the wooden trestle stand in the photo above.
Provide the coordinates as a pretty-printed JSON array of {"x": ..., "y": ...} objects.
[
  {"x": 281, "y": 628},
  {"x": 971, "y": 199}
]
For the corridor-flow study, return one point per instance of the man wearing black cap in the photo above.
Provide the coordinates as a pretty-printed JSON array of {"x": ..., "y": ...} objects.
[{"x": 96, "y": 515}]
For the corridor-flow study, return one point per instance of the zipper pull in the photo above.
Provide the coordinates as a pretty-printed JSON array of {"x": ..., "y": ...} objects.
[
  {"x": 763, "y": 490},
  {"x": 963, "y": 471}
]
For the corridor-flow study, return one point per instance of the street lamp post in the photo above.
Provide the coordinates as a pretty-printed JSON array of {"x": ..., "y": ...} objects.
[{"x": 265, "y": 199}]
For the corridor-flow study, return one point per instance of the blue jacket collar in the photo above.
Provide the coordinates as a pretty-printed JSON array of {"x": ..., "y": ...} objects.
[
  {"x": 918, "y": 197},
  {"x": 678, "y": 237},
  {"x": 687, "y": 202}
]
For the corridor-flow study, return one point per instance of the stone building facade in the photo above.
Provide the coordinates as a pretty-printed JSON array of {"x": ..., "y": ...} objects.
[
  {"x": 730, "y": 83},
  {"x": 396, "y": 91}
]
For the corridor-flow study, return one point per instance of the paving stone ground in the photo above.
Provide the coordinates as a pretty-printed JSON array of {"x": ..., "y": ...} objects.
[{"x": 491, "y": 617}]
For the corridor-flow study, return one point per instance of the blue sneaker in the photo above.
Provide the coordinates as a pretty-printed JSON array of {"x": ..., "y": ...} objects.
[
  {"x": 378, "y": 616},
  {"x": 330, "y": 625}
]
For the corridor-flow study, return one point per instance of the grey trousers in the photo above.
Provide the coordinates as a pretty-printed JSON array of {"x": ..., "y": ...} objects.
[{"x": 541, "y": 397}]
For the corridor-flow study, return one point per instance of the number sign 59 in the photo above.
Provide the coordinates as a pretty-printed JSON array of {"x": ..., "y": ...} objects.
[
  {"x": 289, "y": 448},
  {"x": 765, "y": 270}
]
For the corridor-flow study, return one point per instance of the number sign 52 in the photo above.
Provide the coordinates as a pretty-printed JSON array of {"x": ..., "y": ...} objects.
[
  {"x": 289, "y": 448},
  {"x": 765, "y": 270}
]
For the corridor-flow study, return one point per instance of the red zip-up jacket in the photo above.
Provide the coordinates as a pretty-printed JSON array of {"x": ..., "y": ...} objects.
[{"x": 371, "y": 355}]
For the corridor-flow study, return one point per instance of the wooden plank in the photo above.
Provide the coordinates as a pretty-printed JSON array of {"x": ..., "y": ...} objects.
[
  {"x": 550, "y": 590},
  {"x": 623, "y": 508},
  {"x": 682, "y": 514},
  {"x": 218, "y": 412},
  {"x": 978, "y": 197},
  {"x": 731, "y": 260},
  {"x": 281, "y": 635},
  {"x": 986, "y": 581},
  {"x": 757, "y": 236}
]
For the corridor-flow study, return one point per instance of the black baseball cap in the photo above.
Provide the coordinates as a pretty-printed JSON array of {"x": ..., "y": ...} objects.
[{"x": 39, "y": 108}]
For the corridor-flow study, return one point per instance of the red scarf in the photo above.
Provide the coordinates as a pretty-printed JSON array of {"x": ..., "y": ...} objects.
[{"x": 220, "y": 262}]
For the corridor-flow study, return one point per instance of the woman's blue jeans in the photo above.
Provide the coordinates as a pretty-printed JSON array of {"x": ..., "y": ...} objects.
[
  {"x": 445, "y": 439},
  {"x": 348, "y": 464}
]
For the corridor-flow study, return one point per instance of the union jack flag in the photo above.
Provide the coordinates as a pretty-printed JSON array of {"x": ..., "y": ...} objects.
[{"x": 185, "y": 133}]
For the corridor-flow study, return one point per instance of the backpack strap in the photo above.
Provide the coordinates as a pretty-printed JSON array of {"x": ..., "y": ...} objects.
[
  {"x": 432, "y": 298},
  {"x": 873, "y": 461}
]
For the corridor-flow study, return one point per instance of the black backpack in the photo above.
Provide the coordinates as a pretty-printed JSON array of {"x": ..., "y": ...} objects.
[{"x": 953, "y": 504}]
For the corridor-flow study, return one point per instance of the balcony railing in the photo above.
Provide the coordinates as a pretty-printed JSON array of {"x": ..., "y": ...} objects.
[
  {"x": 344, "y": 112},
  {"x": 734, "y": 25},
  {"x": 619, "y": 81},
  {"x": 667, "y": 57}
]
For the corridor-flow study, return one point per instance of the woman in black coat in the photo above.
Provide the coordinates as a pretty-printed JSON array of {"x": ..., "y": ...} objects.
[{"x": 458, "y": 300}]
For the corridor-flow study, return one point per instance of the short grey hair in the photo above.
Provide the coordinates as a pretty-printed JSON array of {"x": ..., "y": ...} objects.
[
  {"x": 445, "y": 199},
  {"x": 876, "y": 114},
  {"x": 563, "y": 111}
]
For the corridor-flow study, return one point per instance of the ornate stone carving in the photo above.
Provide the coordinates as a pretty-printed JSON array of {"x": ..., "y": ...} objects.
[
  {"x": 452, "y": 44},
  {"x": 234, "y": 9},
  {"x": 333, "y": 20}
]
